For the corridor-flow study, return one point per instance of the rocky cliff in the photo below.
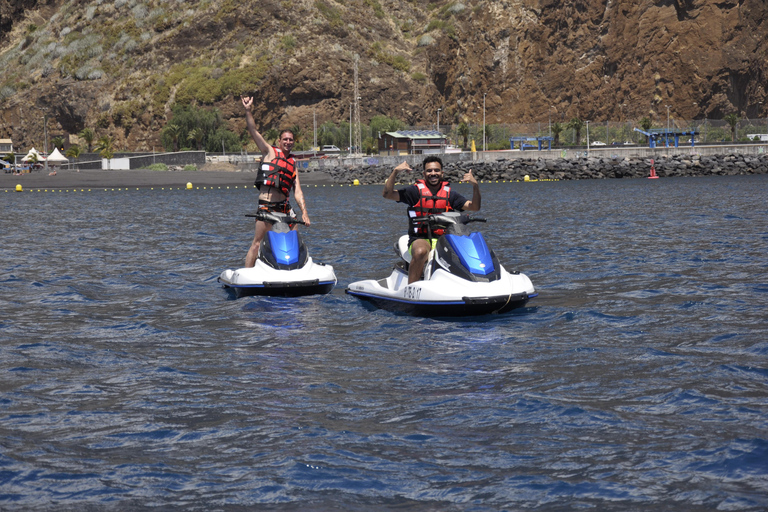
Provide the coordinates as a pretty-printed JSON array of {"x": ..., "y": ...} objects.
[{"x": 119, "y": 66}]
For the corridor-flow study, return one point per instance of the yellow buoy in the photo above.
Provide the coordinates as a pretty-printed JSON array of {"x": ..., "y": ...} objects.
[
  {"x": 18, "y": 188},
  {"x": 526, "y": 178},
  {"x": 189, "y": 186},
  {"x": 356, "y": 182}
]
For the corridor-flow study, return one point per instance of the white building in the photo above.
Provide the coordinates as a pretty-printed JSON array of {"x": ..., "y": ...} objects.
[{"x": 6, "y": 146}]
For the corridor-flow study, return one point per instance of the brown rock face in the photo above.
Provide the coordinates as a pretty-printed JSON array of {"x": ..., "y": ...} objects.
[
  {"x": 11, "y": 10},
  {"x": 605, "y": 60},
  {"x": 532, "y": 60}
]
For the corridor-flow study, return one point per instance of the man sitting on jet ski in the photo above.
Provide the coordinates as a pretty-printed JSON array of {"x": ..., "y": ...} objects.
[
  {"x": 276, "y": 178},
  {"x": 426, "y": 197}
]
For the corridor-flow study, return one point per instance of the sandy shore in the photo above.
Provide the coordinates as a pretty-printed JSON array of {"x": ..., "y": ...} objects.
[{"x": 140, "y": 178}]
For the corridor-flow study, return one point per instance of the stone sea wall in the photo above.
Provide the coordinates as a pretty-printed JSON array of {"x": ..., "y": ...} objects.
[{"x": 572, "y": 169}]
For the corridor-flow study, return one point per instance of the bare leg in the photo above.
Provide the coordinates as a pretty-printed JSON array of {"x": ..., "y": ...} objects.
[
  {"x": 253, "y": 252},
  {"x": 419, "y": 253}
]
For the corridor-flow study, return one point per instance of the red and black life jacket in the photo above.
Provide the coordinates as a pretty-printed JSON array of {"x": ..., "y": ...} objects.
[
  {"x": 279, "y": 173},
  {"x": 429, "y": 204}
]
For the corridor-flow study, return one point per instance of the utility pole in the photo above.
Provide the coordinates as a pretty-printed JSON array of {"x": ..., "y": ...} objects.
[
  {"x": 484, "y": 121},
  {"x": 45, "y": 131},
  {"x": 358, "y": 142}
]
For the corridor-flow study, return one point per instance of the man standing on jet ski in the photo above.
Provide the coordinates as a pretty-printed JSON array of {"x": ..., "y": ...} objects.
[
  {"x": 428, "y": 196},
  {"x": 277, "y": 176}
]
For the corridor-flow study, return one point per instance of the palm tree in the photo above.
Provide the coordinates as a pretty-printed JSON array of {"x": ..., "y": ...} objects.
[
  {"x": 576, "y": 125},
  {"x": 105, "y": 148},
  {"x": 271, "y": 135},
  {"x": 557, "y": 129},
  {"x": 33, "y": 159},
  {"x": 58, "y": 142},
  {"x": 174, "y": 131},
  {"x": 463, "y": 131},
  {"x": 73, "y": 152},
  {"x": 732, "y": 119},
  {"x": 88, "y": 135},
  {"x": 196, "y": 135},
  {"x": 298, "y": 136}
]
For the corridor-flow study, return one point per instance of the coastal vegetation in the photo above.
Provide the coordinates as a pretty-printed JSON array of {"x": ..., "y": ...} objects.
[
  {"x": 194, "y": 127},
  {"x": 73, "y": 151},
  {"x": 732, "y": 119}
]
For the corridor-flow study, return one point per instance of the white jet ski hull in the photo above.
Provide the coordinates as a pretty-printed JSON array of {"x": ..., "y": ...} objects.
[
  {"x": 311, "y": 279},
  {"x": 445, "y": 294}
]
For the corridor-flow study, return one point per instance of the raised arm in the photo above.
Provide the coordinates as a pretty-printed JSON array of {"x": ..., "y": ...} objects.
[
  {"x": 389, "y": 185},
  {"x": 474, "y": 204},
  {"x": 266, "y": 149}
]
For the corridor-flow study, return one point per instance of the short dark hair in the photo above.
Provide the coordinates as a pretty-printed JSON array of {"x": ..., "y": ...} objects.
[
  {"x": 430, "y": 159},
  {"x": 285, "y": 131}
]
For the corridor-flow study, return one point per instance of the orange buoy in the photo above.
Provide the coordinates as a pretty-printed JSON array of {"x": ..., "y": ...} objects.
[{"x": 653, "y": 175}]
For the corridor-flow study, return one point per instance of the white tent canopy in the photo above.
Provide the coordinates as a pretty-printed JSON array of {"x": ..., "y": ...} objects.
[
  {"x": 56, "y": 157},
  {"x": 29, "y": 157}
]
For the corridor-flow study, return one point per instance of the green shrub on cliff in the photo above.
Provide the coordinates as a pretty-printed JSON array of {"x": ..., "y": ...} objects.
[
  {"x": 396, "y": 61},
  {"x": 206, "y": 85}
]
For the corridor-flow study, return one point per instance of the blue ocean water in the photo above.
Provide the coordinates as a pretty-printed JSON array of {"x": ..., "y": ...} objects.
[{"x": 636, "y": 380}]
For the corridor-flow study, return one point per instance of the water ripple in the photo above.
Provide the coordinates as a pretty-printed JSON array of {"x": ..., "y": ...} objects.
[{"x": 635, "y": 380}]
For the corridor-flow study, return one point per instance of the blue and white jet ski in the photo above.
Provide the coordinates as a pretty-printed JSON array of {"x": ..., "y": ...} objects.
[
  {"x": 283, "y": 267},
  {"x": 462, "y": 276}
]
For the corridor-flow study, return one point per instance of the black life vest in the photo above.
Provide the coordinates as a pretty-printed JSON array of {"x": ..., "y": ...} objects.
[
  {"x": 279, "y": 173},
  {"x": 429, "y": 204}
]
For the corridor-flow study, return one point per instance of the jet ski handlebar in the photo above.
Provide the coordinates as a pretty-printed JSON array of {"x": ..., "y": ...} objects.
[
  {"x": 274, "y": 217},
  {"x": 448, "y": 218}
]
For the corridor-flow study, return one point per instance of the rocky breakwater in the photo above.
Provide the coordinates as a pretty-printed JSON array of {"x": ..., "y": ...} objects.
[{"x": 572, "y": 169}]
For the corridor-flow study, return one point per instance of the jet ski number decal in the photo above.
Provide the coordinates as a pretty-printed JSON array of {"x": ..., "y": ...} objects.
[{"x": 412, "y": 292}]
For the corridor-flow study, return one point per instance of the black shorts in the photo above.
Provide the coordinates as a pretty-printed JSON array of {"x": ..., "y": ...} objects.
[{"x": 279, "y": 206}]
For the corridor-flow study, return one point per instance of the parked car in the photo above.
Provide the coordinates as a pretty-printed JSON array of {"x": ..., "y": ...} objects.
[
  {"x": 597, "y": 143},
  {"x": 330, "y": 149}
]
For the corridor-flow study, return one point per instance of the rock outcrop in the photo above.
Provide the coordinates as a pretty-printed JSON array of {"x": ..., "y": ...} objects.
[
  {"x": 576, "y": 169},
  {"x": 119, "y": 66}
]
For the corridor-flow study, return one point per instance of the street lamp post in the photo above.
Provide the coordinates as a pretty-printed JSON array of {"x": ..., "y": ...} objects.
[
  {"x": 666, "y": 137},
  {"x": 438, "y": 119},
  {"x": 484, "y": 121},
  {"x": 693, "y": 125},
  {"x": 45, "y": 131},
  {"x": 620, "y": 135},
  {"x": 587, "y": 137},
  {"x": 350, "y": 129}
]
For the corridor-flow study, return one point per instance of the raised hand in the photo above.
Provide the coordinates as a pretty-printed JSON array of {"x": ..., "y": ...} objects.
[{"x": 469, "y": 177}]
